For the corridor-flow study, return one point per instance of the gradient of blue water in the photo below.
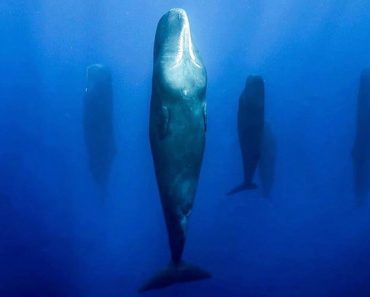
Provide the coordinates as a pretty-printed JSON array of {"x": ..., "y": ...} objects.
[{"x": 58, "y": 239}]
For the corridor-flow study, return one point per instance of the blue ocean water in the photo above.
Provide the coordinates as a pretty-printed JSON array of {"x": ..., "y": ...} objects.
[{"x": 58, "y": 238}]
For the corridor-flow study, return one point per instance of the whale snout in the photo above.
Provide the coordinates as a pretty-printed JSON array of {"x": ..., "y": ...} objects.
[
  {"x": 98, "y": 73},
  {"x": 255, "y": 81},
  {"x": 99, "y": 77},
  {"x": 176, "y": 19},
  {"x": 178, "y": 14},
  {"x": 254, "y": 90},
  {"x": 173, "y": 41}
]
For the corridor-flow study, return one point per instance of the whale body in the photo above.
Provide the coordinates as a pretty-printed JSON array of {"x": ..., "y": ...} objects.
[
  {"x": 177, "y": 137},
  {"x": 251, "y": 117},
  {"x": 98, "y": 123}
]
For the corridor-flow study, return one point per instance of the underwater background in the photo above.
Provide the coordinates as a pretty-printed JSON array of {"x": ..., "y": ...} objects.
[{"x": 57, "y": 236}]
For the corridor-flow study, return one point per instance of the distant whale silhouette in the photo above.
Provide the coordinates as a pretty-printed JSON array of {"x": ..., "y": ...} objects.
[
  {"x": 177, "y": 137},
  {"x": 361, "y": 147},
  {"x": 267, "y": 160},
  {"x": 250, "y": 129},
  {"x": 98, "y": 123}
]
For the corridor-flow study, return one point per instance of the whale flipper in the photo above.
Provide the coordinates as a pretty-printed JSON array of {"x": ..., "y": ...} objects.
[
  {"x": 164, "y": 118},
  {"x": 205, "y": 116},
  {"x": 173, "y": 274},
  {"x": 243, "y": 187}
]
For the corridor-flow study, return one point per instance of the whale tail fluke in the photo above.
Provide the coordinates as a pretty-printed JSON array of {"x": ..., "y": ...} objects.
[
  {"x": 243, "y": 187},
  {"x": 173, "y": 274}
]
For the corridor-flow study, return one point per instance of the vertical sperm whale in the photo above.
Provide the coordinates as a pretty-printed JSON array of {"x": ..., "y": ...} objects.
[
  {"x": 98, "y": 123},
  {"x": 251, "y": 117},
  {"x": 177, "y": 136}
]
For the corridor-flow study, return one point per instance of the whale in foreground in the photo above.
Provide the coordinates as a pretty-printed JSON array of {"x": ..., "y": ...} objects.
[
  {"x": 250, "y": 129},
  {"x": 361, "y": 147},
  {"x": 177, "y": 137},
  {"x": 98, "y": 123}
]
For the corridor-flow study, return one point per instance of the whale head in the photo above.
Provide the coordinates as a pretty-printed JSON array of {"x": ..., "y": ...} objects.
[
  {"x": 173, "y": 39},
  {"x": 178, "y": 67},
  {"x": 99, "y": 78},
  {"x": 255, "y": 92}
]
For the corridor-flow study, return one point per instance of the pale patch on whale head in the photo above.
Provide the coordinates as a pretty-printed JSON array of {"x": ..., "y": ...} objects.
[
  {"x": 185, "y": 43},
  {"x": 174, "y": 39},
  {"x": 177, "y": 64}
]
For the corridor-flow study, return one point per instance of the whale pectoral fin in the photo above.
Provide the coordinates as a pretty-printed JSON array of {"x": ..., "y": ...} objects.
[
  {"x": 205, "y": 116},
  {"x": 163, "y": 122}
]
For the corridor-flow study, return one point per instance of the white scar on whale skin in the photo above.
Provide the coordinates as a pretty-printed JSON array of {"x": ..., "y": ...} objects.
[{"x": 185, "y": 42}]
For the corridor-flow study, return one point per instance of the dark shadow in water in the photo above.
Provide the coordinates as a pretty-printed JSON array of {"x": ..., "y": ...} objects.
[
  {"x": 98, "y": 124},
  {"x": 361, "y": 147}
]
